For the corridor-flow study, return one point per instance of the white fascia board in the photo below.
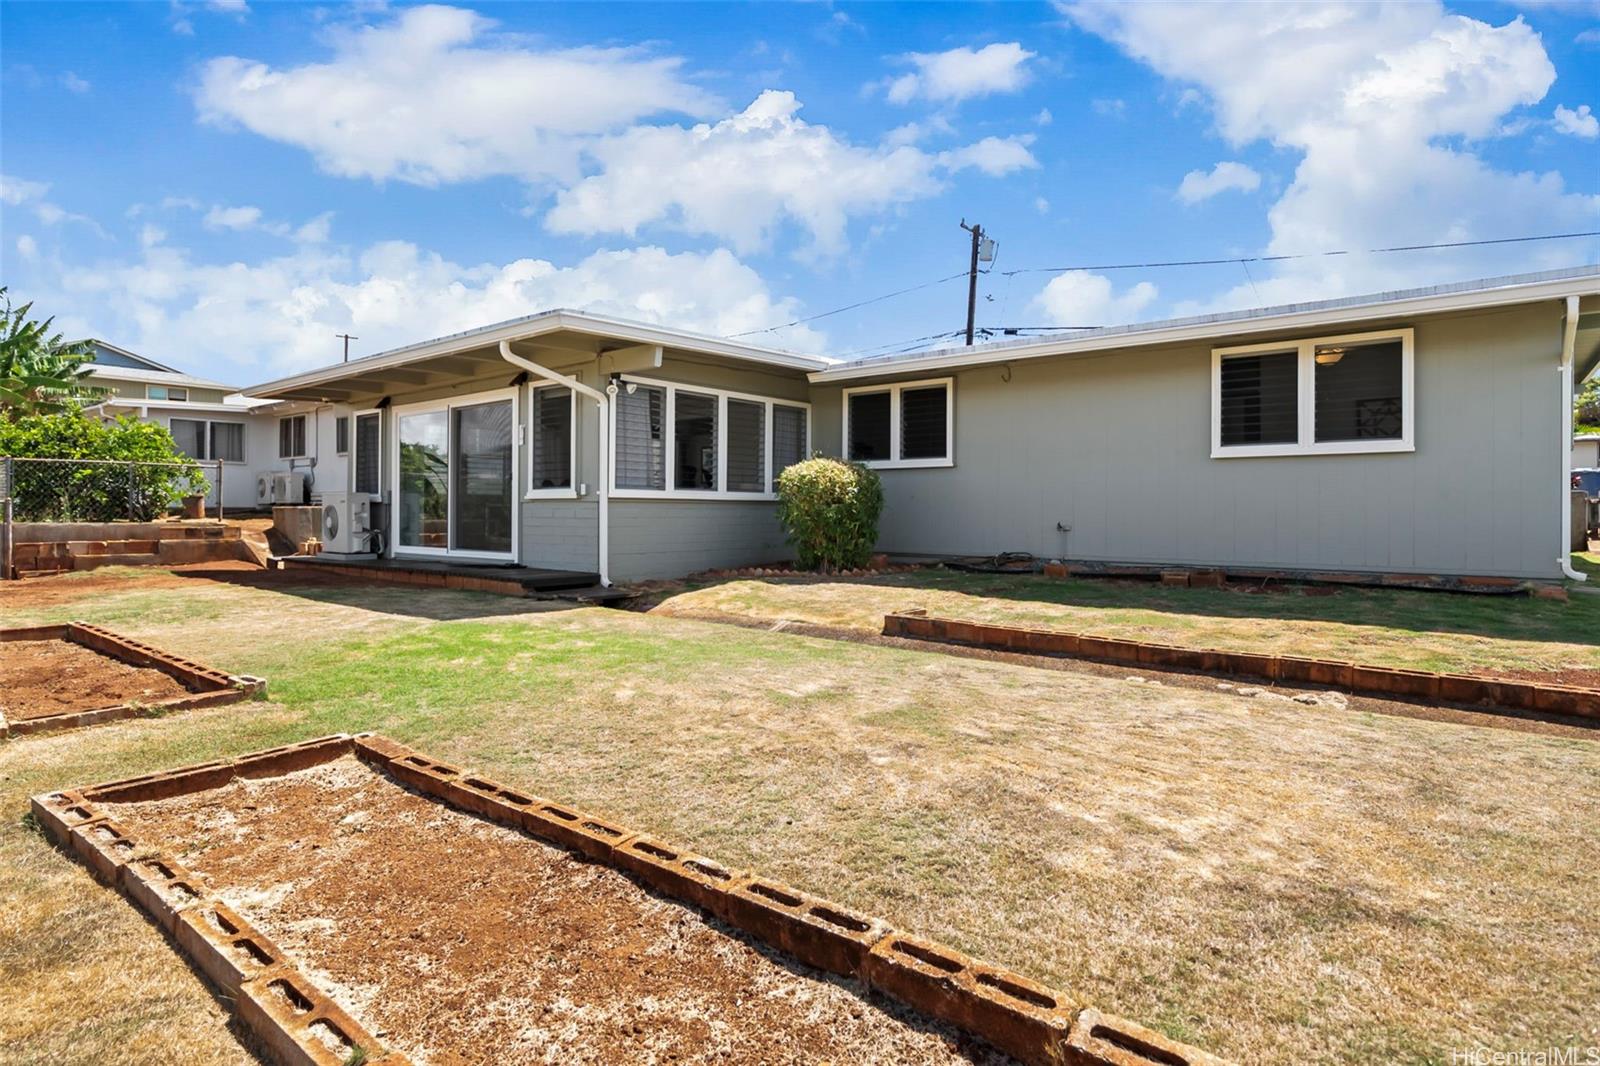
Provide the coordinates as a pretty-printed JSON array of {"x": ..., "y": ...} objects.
[
  {"x": 177, "y": 408},
  {"x": 1214, "y": 328},
  {"x": 152, "y": 377},
  {"x": 532, "y": 328}
]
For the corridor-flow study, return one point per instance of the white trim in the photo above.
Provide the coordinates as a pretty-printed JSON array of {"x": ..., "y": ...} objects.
[
  {"x": 669, "y": 443},
  {"x": 1305, "y": 396},
  {"x": 570, "y": 492},
  {"x": 1566, "y": 368},
  {"x": 894, "y": 389},
  {"x": 349, "y": 427},
  {"x": 168, "y": 398},
  {"x": 354, "y": 455},
  {"x": 1492, "y": 292},
  {"x": 531, "y": 328},
  {"x": 448, "y": 405}
]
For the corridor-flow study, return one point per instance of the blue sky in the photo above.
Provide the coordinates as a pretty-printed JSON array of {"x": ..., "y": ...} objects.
[{"x": 225, "y": 186}]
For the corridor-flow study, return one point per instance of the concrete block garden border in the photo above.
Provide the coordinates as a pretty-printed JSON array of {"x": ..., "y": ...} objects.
[
  {"x": 301, "y": 1025},
  {"x": 1383, "y": 681},
  {"x": 207, "y": 687}
]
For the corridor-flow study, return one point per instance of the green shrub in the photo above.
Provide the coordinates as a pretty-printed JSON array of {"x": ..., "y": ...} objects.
[
  {"x": 95, "y": 491},
  {"x": 830, "y": 511}
]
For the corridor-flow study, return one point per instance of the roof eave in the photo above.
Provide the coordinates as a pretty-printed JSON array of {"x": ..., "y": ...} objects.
[
  {"x": 529, "y": 329},
  {"x": 1223, "y": 327}
]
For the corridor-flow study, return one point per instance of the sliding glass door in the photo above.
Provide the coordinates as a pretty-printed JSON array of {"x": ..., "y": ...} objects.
[
  {"x": 481, "y": 485},
  {"x": 456, "y": 471}
]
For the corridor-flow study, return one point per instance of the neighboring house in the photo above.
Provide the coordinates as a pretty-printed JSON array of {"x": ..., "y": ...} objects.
[
  {"x": 209, "y": 420},
  {"x": 1586, "y": 451},
  {"x": 1407, "y": 432}
]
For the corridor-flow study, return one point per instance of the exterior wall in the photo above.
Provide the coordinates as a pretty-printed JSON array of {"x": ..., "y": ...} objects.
[
  {"x": 649, "y": 538},
  {"x": 670, "y": 538},
  {"x": 1117, "y": 448}
]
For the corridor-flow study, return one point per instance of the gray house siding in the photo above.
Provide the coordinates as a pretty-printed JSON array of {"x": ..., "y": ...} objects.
[
  {"x": 560, "y": 534},
  {"x": 1117, "y": 447},
  {"x": 670, "y": 538}
]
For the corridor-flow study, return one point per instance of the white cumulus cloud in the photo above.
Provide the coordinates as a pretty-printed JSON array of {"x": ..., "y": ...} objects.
[
  {"x": 1200, "y": 185},
  {"x": 1378, "y": 100},
  {"x": 1079, "y": 298},
  {"x": 432, "y": 95},
  {"x": 1577, "y": 123},
  {"x": 961, "y": 74},
  {"x": 247, "y": 321},
  {"x": 740, "y": 178}
]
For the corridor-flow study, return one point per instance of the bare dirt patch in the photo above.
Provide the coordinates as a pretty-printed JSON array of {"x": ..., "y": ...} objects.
[
  {"x": 41, "y": 678},
  {"x": 457, "y": 940}
]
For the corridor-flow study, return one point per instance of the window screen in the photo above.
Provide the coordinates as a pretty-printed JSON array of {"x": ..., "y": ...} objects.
[
  {"x": 869, "y": 426},
  {"x": 227, "y": 441},
  {"x": 367, "y": 454},
  {"x": 923, "y": 423},
  {"x": 552, "y": 438},
  {"x": 190, "y": 437},
  {"x": 1260, "y": 399},
  {"x": 341, "y": 435},
  {"x": 747, "y": 446},
  {"x": 641, "y": 438},
  {"x": 788, "y": 437},
  {"x": 695, "y": 437},
  {"x": 1358, "y": 393}
]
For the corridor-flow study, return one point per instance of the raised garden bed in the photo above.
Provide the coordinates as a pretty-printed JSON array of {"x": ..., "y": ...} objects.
[
  {"x": 1389, "y": 682},
  {"x": 349, "y": 893},
  {"x": 66, "y": 676}
]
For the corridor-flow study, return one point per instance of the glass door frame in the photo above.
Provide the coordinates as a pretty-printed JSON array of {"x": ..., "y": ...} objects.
[{"x": 448, "y": 406}]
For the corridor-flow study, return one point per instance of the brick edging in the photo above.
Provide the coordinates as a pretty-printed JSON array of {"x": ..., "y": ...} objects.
[
  {"x": 208, "y": 687},
  {"x": 1383, "y": 681},
  {"x": 1030, "y": 1021}
]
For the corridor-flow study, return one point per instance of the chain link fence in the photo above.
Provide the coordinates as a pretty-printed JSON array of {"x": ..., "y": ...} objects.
[{"x": 104, "y": 490}]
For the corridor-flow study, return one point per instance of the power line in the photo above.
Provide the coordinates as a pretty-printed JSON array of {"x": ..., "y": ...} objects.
[
  {"x": 850, "y": 307},
  {"x": 1153, "y": 265},
  {"x": 1303, "y": 255}
]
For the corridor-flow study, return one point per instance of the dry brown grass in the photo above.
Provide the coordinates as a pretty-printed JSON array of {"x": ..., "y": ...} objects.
[
  {"x": 1268, "y": 880},
  {"x": 1419, "y": 630}
]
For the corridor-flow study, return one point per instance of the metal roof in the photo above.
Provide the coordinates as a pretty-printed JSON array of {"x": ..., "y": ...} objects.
[{"x": 1516, "y": 288}]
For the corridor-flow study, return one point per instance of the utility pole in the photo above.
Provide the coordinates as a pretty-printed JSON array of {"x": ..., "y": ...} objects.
[
  {"x": 348, "y": 338},
  {"x": 972, "y": 277}
]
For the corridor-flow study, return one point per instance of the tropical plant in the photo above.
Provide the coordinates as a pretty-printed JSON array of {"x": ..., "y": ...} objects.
[
  {"x": 69, "y": 467},
  {"x": 1586, "y": 406},
  {"x": 39, "y": 374},
  {"x": 830, "y": 510}
]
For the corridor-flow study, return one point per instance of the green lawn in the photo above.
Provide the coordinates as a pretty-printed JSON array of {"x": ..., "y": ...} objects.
[
  {"x": 1271, "y": 881},
  {"x": 1390, "y": 627}
]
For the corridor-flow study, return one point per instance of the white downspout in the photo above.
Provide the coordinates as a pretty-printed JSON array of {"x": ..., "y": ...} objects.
[
  {"x": 1569, "y": 344},
  {"x": 603, "y": 402}
]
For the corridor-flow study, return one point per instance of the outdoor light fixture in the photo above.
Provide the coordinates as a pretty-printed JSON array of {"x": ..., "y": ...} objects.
[{"x": 1329, "y": 356}]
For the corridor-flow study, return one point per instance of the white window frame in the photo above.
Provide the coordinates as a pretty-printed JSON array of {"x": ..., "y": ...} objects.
[
  {"x": 355, "y": 449},
  {"x": 244, "y": 441},
  {"x": 349, "y": 426},
  {"x": 670, "y": 443},
  {"x": 305, "y": 437},
  {"x": 169, "y": 390},
  {"x": 894, "y": 390},
  {"x": 571, "y": 491},
  {"x": 210, "y": 457},
  {"x": 1306, "y": 400}
]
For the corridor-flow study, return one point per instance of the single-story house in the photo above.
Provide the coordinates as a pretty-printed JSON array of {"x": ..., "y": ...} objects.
[
  {"x": 1422, "y": 431},
  {"x": 1586, "y": 451},
  {"x": 253, "y": 439}
]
